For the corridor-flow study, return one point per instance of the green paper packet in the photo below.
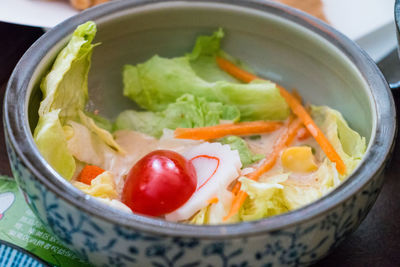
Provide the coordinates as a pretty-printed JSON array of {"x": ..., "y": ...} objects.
[{"x": 19, "y": 226}]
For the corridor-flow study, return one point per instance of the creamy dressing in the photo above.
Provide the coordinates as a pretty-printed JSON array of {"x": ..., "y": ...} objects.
[
  {"x": 136, "y": 145},
  {"x": 264, "y": 145}
]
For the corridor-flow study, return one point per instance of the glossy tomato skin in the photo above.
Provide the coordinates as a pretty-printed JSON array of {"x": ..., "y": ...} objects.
[{"x": 159, "y": 183}]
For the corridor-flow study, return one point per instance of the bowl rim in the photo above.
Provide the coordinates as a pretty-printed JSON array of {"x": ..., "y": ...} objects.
[
  {"x": 397, "y": 14},
  {"x": 19, "y": 134}
]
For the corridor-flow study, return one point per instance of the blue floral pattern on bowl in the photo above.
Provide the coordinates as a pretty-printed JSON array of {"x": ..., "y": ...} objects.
[{"x": 105, "y": 244}]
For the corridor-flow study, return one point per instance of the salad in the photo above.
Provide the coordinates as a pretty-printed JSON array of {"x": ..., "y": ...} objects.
[{"x": 212, "y": 143}]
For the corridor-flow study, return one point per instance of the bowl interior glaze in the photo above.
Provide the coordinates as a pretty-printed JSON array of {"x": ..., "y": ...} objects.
[{"x": 275, "y": 48}]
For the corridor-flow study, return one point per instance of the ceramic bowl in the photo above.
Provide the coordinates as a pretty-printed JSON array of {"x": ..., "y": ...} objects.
[{"x": 281, "y": 43}]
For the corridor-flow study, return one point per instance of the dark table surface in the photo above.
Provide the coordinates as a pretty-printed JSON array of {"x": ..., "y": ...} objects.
[{"x": 375, "y": 243}]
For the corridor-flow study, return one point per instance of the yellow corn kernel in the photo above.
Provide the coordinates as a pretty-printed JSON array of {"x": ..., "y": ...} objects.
[{"x": 299, "y": 159}]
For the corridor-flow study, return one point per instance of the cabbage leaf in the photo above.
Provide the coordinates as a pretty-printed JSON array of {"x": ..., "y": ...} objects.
[
  {"x": 100, "y": 121},
  {"x": 65, "y": 87},
  {"x": 64, "y": 94},
  {"x": 86, "y": 146},
  {"x": 160, "y": 81},
  {"x": 246, "y": 156},
  {"x": 202, "y": 58},
  {"x": 264, "y": 199},
  {"x": 52, "y": 144},
  {"x": 103, "y": 134},
  {"x": 187, "y": 111},
  {"x": 348, "y": 143},
  {"x": 201, "y": 217}
]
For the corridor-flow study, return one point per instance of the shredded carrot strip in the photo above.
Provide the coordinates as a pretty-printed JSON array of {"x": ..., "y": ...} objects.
[
  {"x": 236, "y": 188},
  {"x": 296, "y": 94},
  {"x": 216, "y": 168},
  {"x": 218, "y": 131},
  {"x": 296, "y": 108},
  {"x": 213, "y": 200},
  {"x": 285, "y": 140},
  {"x": 88, "y": 173},
  {"x": 303, "y": 134},
  {"x": 314, "y": 130},
  {"x": 236, "y": 72}
]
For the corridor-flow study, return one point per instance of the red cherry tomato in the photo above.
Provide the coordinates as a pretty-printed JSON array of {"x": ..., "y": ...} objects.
[{"x": 159, "y": 183}]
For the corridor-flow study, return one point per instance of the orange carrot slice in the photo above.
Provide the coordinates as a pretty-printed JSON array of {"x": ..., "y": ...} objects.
[
  {"x": 236, "y": 72},
  {"x": 88, "y": 173},
  {"x": 213, "y": 200},
  {"x": 303, "y": 134},
  {"x": 296, "y": 94},
  {"x": 236, "y": 188},
  {"x": 285, "y": 140},
  {"x": 215, "y": 170},
  {"x": 218, "y": 131}
]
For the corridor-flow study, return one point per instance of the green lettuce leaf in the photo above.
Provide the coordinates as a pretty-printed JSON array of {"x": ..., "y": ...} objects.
[
  {"x": 201, "y": 217},
  {"x": 86, "y": 146},
  {"x": 142, "y": 121},
  {"x": 246, "y": 156},
  {"x": 66, "y": 85},
  {"x": 265, "y": 199},
  {"x": 215, "y": 213},
  {"x": 295, "y": 197},
  {"x": 100, "y": 121},
  {"x": 64, "y": 95},
  {"x": 202, "y": 58},
  {"x": 207, "y": 45},
  {"x": 104, "y": 135},
  {"x": 52, "y": 144},
  {"x": 187, "y": 112},
  {"x": 348, "y": 143},
  {"x": 160, "y": 81}
]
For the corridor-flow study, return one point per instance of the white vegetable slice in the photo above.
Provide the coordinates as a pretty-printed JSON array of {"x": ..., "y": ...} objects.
[
  {"x": 216, "y": 167},
  {"x": 115, "y": 204}
]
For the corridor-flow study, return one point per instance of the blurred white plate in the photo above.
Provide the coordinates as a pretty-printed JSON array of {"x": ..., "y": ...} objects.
[
  {"x": 368, "y": 22},
  {"x": 41, "y": 13}
]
